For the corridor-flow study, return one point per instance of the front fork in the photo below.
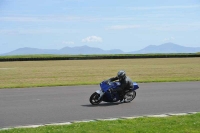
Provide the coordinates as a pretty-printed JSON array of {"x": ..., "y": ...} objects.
[{"x": 101, "y": 93}]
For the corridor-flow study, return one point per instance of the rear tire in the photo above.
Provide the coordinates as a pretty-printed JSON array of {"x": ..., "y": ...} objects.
[
  {"x": 129, "y": 96},
  {"x": 94, "y": 99}
]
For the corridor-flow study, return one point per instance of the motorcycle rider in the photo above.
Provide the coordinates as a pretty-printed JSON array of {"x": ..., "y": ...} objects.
[{"x": 125, "y": 81}]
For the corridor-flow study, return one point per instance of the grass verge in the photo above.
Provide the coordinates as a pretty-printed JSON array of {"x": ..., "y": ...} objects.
[
  {"x": 172, "y": 124},
  {"x": 87, "y": 72}
]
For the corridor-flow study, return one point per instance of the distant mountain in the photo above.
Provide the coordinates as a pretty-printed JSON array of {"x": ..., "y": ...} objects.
[
  {"x": 26, "y": 50},
  {"x": 87, "y": 50},
  {"x": 66, "y": 50},
  {"x": 168, "y": 48},
  {"x": 163, "y": 48}
]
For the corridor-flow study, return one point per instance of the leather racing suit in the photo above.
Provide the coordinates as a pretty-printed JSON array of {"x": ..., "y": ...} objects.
[{"x": 126, "y": 84}]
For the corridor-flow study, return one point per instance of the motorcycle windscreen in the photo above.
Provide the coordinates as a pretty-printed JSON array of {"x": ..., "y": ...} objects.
[{"x": 104, "y": 86}]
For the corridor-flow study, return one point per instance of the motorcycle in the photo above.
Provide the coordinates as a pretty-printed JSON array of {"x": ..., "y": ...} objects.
[{"x": 105, "y": 95}]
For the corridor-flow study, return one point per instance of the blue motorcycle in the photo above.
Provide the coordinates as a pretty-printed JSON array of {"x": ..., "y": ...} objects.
[{"x": 106, "y": 96}]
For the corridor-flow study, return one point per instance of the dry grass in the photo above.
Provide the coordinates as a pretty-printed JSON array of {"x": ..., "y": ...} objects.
[{"x": 79, "y": 72}]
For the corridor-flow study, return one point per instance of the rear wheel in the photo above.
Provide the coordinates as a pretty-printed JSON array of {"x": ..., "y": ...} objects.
[
  {"x": 94, "y": 99},
  {"x": 129, "y": 96}
]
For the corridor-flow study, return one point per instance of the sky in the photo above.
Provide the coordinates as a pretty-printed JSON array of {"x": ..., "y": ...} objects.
[{"x": 128, "y": 25}]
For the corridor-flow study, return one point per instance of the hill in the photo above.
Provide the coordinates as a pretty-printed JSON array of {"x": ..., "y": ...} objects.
[{"x": 86, "y": 50}]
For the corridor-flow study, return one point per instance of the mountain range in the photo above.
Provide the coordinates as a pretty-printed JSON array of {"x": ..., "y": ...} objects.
[{"x": 163, "y": 48}]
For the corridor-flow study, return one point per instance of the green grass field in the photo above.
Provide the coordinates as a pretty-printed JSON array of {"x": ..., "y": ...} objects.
[
  {"x": 81, "y": 72},
  {"x": 85, "y": 72},
  {"x": 172, "y": 124}
]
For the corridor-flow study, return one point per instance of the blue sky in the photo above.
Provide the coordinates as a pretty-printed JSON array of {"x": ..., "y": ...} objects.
[{"x": 128, "y": 25}]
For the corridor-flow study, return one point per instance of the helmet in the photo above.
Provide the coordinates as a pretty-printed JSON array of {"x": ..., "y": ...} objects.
[{"x": 121, "y": 75}]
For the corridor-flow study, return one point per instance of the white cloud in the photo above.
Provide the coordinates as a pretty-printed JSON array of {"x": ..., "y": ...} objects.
[
  {"x": 92, "y": 39},
  {"x": 164, "y": 7},
  {"x": 67, "y": 42},
  {"x": 61, "y": 18},
  {"x": 24, "y": 31},
  {"x": 20, "y": 19},
  {"x": 174, "y": 27},
  {"x": 168, "y": 39},
  {"x": 40, "y": 18},
  {"x": 35, "y": 31},
  {"x": 122, "y": 27}
]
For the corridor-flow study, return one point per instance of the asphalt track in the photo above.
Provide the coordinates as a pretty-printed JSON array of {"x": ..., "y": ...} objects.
[{"x": 32, "y": 106}]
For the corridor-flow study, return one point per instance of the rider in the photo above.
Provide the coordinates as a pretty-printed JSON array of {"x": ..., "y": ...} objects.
[{"x": 126, "y": 83}]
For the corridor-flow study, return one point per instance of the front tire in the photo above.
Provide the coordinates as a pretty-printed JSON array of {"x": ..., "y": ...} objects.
[
  {"x": 129, "y": 96},
  {"x": 94, "y": 99}
]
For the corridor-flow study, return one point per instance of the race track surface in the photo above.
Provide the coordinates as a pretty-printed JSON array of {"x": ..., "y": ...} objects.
[{"x": 32, "y": 106}]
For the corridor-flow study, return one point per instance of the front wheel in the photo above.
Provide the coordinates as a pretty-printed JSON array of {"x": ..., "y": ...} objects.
[
  {"x": 94, "y": 99},
  {"x": 129, "y": 96}
]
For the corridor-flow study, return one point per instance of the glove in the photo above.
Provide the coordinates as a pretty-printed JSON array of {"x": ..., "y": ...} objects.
[{"x": 107, "y": 82}]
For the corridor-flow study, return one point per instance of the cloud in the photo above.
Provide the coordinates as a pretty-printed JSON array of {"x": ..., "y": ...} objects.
[
  {"x": 165, "y": 7},
  {"x": 175, "y": 27},
  {"x": 122, "y": 27},
  {"x": 35, "y": 31},
  {"x": 67, "y": 42},
  {"x": 40, "y": 18},
  {"x": 92, "y": 39},
  {"x": 9, "y": 32},
  {"x": 61, "y": 18},
  {"x": 24, "y": 31},
  {"x": 168, "y": 39}
]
